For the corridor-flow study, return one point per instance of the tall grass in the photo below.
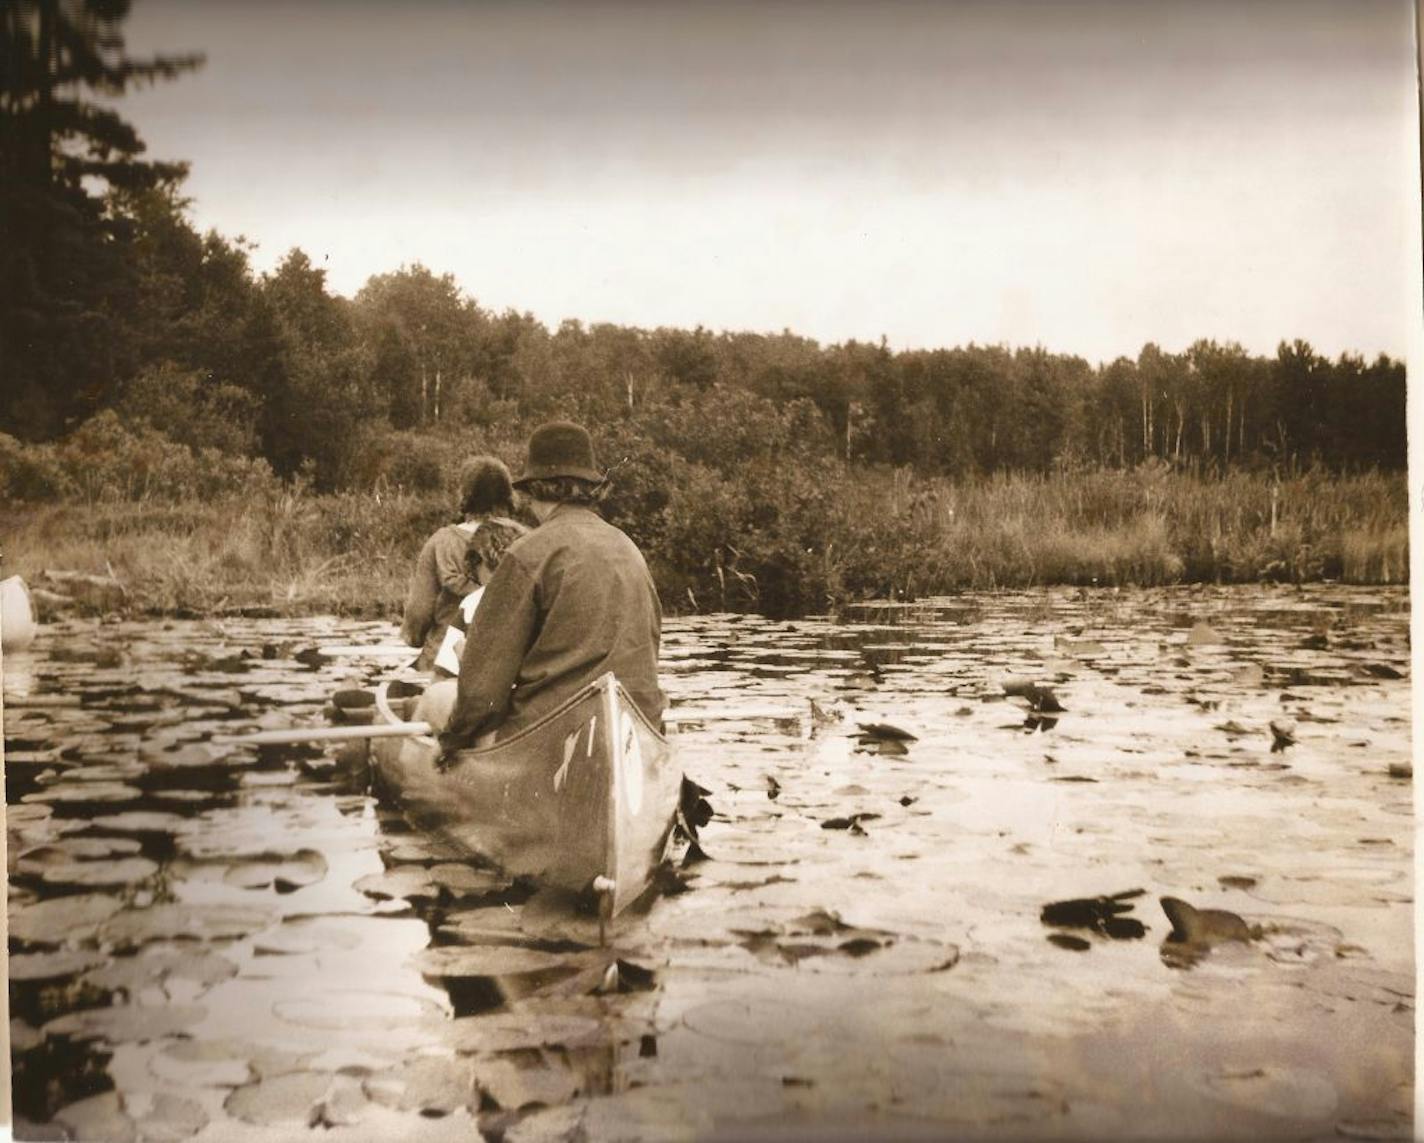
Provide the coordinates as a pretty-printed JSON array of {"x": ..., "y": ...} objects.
[{"x": 781, "y": 542}]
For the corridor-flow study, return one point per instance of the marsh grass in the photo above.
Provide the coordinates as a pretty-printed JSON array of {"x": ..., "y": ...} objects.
[{"x": 784, "y": 542}]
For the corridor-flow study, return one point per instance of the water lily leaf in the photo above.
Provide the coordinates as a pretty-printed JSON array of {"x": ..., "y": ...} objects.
[
  {"x": 127, "y": 1023},
  {"x": 153, "y": 965},
  {"x": 298, "y": 936},
  {"x": 347, "y": 1010},
  {"x": 399, "y": 884},
  {"x": 457, "y": 879},
  {"x": 86, "y": 793},
  {"x": 31, "y": 967},
  {"x": 99, "y": 874},
  {"x": 1202, "y": 635},
  {"x": 167, "y": 1118},
  {"x": 513, "y": 1087},
  {"x": 516, "y": 1031},
  {"x": 137, "y": 927},
  {"x": 286, "y": 871},
  {"x": 194, "y": 1064},
  {"x": 142, "y": 821},
  {"x": 100, "y": 1117},
  {"x": 281, "y": 1100},
  {"x": 431, "y": 1085},
  {"x": 71, "y": 849},
  {"x": 24, "y": 1037},
  {"x": 62, "y": 919},
  {"x": 454, "y": 961}
]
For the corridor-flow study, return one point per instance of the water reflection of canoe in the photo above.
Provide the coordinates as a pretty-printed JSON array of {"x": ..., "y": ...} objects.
[{"x": 590, "y": 791}]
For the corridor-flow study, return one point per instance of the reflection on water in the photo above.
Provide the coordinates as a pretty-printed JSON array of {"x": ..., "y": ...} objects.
[{"x": 212, "y": 943}]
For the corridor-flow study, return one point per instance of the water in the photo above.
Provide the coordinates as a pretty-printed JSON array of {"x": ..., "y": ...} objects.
[{"x": 218, "y": 945}]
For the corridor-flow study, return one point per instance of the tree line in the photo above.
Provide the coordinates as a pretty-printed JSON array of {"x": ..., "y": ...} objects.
[{"x": 111, "y": 299}]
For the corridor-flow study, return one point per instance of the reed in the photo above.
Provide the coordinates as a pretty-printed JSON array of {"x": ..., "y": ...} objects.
[{"x": 783, "y": 541}]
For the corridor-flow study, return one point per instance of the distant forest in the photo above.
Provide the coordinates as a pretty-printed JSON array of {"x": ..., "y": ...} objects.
[{"x": 110, "y": 299}]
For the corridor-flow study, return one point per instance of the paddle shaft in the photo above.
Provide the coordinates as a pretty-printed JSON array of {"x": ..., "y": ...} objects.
[
  {"x": 322, "y": 734},
  {"x": 405, "y": 729}
]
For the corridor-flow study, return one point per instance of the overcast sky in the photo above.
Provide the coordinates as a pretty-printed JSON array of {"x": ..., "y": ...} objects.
[{"x": 1084, "y": 176}]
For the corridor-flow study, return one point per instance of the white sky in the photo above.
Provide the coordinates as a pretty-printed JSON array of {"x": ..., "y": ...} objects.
[{"x": 1085, "y": 176}]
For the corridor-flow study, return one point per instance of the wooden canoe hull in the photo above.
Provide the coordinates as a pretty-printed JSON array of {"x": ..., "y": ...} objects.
[{"x": 590, "y": 791}]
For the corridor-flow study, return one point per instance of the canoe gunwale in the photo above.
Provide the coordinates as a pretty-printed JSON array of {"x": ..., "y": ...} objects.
[{"x": 606, "y": 681}]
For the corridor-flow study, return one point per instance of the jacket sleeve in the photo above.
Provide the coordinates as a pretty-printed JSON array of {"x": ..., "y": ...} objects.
[
  {"x": 449, "y": 554},
  {"x": 499, "y": 635},
  {"x": 420, "y": 599}
]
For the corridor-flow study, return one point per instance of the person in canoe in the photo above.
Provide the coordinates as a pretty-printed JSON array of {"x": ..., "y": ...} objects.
[
  {"x": 569, "y": 602},
  {"x": 486, "y": 548},
  {"x": 441, "y": 580}
]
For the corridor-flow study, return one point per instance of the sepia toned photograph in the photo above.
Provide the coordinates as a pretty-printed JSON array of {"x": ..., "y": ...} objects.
[{"x": 681, "y": 570}]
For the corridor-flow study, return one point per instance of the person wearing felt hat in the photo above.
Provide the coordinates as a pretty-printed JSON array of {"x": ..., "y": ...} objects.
[{"x": 568, "y": 602}]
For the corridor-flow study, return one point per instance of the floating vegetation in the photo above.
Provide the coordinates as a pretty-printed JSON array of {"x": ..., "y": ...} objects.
[{"x": 849, "y": 911}]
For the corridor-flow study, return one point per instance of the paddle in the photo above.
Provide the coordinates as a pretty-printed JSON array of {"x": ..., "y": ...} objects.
[
  {"x": 404, "y": 729},
  {"x": 321, "y": 734},
  {"x": 375, "y": 650}
]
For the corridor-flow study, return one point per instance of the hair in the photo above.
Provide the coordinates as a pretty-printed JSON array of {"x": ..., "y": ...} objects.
[
  {"x": 486, "y": 488},
  {"x": 489, "y": 543},
  {"x": 566, "y": 490}
]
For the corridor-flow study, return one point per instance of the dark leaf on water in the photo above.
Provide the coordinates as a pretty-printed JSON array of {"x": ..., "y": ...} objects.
[
  {"x": 773, "y": 788},
  {"x": 1101, "y": 914},
  {"x": 1381, "y": 671},
  {"x": 1123, "y": 928},
  {"x": 848, "y": 823},
  {"x": 1067, "y": 941},
  {"x": 883, "y": 730},
  {"x": 818, "y": 922},
  {"x": 859, "y": 946},
  {"x": 1038, "y": 699}
]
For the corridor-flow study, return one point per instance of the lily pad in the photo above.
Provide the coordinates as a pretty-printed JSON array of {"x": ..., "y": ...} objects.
[
  {"x": 513, "y": 1087},
  {"x": 200, "y": 922},
  {"x": 516, "y": 1031},
  {"x": 454, "y": 961},
  {"x": 60, "y": 919},
  {"x": 45, "y": 966},
  {"x": 151, "y": 966},
  {"x": 99, "y": 874},
  {"x": 432, "y": 1086},
  {"x": 127, "y": 1024},
  {"x": 77, "y": 849},
  {"x": 284, "y": 871},
  {"x": 288, "y": 1100},
  {"x": 141, "y": 822},
  {"x": 342, "y": 1011},
  {"x": 86, "y": 793},
  {"x": 24, "y": 1037},
  {"x": 196, "y": 1064},
  {"x": 100, "y": 1117}
]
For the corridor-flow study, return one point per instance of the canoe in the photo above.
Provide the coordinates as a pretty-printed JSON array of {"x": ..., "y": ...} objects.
[
  {"x": 589, "y": 792},
  {"x": 17, "y": 615}
]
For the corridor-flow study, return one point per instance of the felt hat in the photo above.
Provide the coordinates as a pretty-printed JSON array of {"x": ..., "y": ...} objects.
[{"x": 560, "y": 448}]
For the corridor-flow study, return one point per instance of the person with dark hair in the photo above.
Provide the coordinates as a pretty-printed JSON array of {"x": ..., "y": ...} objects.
[
  {"x": 441, "y": 580},
  {"x": 569, "y": 602},
  {"x": 486, "y": 548}
]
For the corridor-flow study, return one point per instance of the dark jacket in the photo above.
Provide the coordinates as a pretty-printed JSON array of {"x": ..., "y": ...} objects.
[
  {"x": 437, "y": 585},
  {"x": 569, "y": 601}
]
